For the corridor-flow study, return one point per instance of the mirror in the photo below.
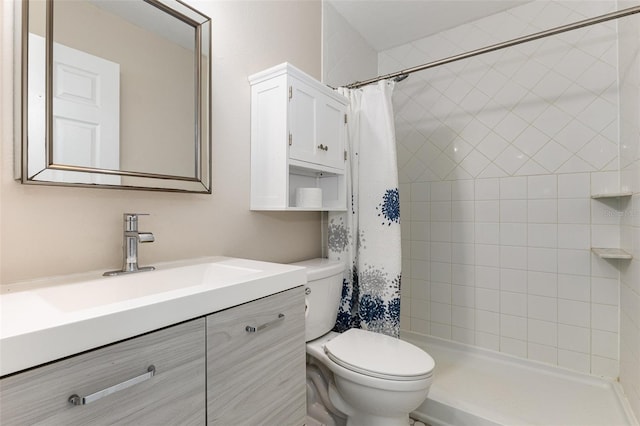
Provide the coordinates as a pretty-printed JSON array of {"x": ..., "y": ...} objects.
[{"x": 115, "y": 93}]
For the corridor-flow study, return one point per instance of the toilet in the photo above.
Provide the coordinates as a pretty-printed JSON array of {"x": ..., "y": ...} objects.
[{"x": 367, "y": 378}]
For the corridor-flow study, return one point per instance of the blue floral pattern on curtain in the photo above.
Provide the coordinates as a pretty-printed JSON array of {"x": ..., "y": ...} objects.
[{"x": 367, "y": 236}]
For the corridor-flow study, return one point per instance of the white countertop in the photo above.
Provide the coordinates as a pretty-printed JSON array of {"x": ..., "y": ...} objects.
[{"x": 44, "y": 320}]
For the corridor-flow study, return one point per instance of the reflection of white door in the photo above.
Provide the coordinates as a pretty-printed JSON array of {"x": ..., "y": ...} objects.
[{"x": 86, "y": 111}]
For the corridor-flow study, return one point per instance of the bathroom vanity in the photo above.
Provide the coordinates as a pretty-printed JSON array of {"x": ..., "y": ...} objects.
[{"x": 242, "y": 362}]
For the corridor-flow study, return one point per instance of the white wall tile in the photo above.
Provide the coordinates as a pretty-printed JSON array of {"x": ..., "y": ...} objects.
[
  {"x": 463, "y": 190},
  {"x": 513, "y": 347},
  {"x": 573, "y": 312},
  {"x": 542, "y": 283},
  {"x": 576, "y": 211},
  {"x": 542, "y": 353},
  {"x": 542, "y": 259},
  {"x": 576, "y": 339},
  {"x": 487, "y": 189},
  {"x": 542, "y": 235},
  {"x": 604, "y": 344},
  {"x": 542, "y": 332},
  {"x": 573, "y": 236},
  {"x": 462, "y": 211},
  {"x": 513, "y": 211},
  {"x": 605, "y": 291},
  {"x": 513, "y": 234},
  {"x": 574, "y": 360},
  {"x": 576, "y": 262},
  {"x": 542, "y": 211},
  {"x": 543, "y": 308},
  {"x": 487, "y": 211},
  {"x": 545, "y": 186},
  {"x": 604, "y": 317},
  {"x": 513, "y": 303},
  {"x": 487, "y": 322},
  {"x": 513, "y": 188},
  {"x": 574, "y": 287},
  {"x": 487, "y": 255},
  {"x": 574, "y": 185}
]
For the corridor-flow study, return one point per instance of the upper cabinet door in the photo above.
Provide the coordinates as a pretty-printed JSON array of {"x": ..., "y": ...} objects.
[
  {"x": 303, "y": 122},
  {"x": 316, "y": 125},
  {"x": 331, "y": 132}
]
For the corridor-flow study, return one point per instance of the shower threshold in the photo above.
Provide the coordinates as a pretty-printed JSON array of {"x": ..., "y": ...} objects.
[{"x": 477, "y": 387}]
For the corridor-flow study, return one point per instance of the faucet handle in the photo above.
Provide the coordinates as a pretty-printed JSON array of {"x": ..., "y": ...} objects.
[{"x": 131, "y": 220}]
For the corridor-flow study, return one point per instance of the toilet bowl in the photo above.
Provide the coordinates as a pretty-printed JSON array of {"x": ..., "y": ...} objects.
[{"x": 377, "y": 380}]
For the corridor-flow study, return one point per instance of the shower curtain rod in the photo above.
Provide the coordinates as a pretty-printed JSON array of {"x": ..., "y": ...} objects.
[{"x": 531, "y": 37}]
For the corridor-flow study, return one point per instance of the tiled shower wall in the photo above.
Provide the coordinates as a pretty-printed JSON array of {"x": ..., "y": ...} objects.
[
  {"x": 629, "y": 71},
  {"x": 498, "y": 156}
]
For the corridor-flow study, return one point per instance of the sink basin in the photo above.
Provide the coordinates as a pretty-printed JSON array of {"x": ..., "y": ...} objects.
[
  {"x": 128, "y": 287},
  {"x": 44, "y": 320}
]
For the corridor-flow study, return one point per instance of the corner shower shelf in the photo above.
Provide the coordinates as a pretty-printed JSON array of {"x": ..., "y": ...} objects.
[
  {"x": 611, "y": 253},
  {"x": 612, "y": 195}
]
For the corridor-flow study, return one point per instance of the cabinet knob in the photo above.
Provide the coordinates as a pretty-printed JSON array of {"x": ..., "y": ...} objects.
[{"x": 323, "y": 147}]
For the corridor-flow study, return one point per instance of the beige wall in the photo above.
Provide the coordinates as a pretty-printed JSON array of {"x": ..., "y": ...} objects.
[{"x": 54, "y": 230}]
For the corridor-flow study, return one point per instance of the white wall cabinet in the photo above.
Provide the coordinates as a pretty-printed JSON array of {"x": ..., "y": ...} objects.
[
  {"x": 298, "y": 136},
  {"x": 208, "y": 370}
]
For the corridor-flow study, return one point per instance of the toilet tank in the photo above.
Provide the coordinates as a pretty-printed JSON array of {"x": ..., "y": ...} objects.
[{"x": 323, "y": 293}]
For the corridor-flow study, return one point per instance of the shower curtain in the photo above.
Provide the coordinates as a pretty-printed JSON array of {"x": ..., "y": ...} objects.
[{"x": 367, "y": 237}]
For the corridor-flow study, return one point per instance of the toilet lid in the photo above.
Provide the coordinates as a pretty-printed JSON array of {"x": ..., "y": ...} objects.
[{"x": 378, "y": 355}]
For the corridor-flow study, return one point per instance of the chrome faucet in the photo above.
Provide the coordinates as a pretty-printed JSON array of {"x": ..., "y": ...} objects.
[{"x": 131, "y": 238}]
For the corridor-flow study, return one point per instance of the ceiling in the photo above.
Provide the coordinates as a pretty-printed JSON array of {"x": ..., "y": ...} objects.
[{"x": 389, "y": 23}]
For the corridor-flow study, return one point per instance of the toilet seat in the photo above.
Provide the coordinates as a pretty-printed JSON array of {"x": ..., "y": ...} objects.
[{"x": 380, "y": 356}]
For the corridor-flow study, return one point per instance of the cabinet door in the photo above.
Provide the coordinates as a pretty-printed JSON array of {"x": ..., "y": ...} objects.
[
  {"x": 174, "y": 395},
  {"x": 331, "y": 132},
  {"x": 257, "y": 378},
  {"x": 303, "y": 112}
]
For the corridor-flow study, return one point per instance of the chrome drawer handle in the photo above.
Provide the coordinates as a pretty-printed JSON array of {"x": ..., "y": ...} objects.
[
  {"x": 84, "y": 400},
  {"x": 252, "y": 329}
]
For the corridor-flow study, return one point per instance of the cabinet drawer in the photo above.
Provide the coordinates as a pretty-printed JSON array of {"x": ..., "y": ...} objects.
[
  {"x": 174, "y": 395},
  {"x": 257, "y": 378}
]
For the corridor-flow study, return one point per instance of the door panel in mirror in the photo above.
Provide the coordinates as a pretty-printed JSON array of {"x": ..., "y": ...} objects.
[{"x": 118, "y": 94}]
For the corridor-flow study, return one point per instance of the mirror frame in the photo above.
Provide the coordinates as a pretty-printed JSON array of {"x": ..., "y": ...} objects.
[{"x": 200, "y": 183}]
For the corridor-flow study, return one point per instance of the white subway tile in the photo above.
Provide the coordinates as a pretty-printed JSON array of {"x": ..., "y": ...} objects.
[
  {"x": 513, "y": 347},
  {"x": 487, "y": 211},
  {"x": 420, "y": 191},
  {"x": 419, "y": 289},
  {"x": 420, "y": 269},
  {"x": 487, "y": 299},
  {"x": 440, "y": 231},
  {"x": 544, "y": 186},
  {"x": 604, "y": 182},
  {"x": 513, "y": 188},
  {"x": 420, "y": 231},
  {"x": 604, "y": 344},
  {"x": 575, "y": 262},
  {"x": 574, "y": 210},
  {"x": 463, "y": 317},
  {"x": 542, "y": 332},
  {"x": 576, "y": 361},
  {"x": 440, "y": 271},
  {"x": 577, "y": 339},
  {"x": 419, "y": 309},
  {"x": 513, "y": 326},
  {"x": 604, "y": 317},
  {"x": 488, "y": 340},
  {"x": 513, "y": 211},
  {"x": 605, "y": 291},
  {"x": 463, "y": 335},
  {"x": 487, "y": 322},
  {"x": 441, "y": 191},
  {"x": 463, "y": 253},
  {"x": 420, "y": 250},
  {"x": 462, "y": 211},
  {"x": 513, "y": 303},
  {"x": 573, "y": 312},
  {"x": 606, "y": 212},
  {"x": 606, "y": 367},
  {"x": 574, "y": 287},
  {"x": 513, "y": 280},
  {"x": 420, "y": 326},
  {"x": 605, "y": 236},
  {"x": 440, "y": 252},
  {"x": 543, "y": 308},
  {"x": 442, "y": 331},
  {"x": 487, "y": 189},
  {"x": 542, "y": 211},
  {"x": 463, "y": 189},
  {"x": 487, "y": 277},
  {"x": 441, "y": 211},
  {"x": 513, "y": 234},
  {"x": 440, "y": 312},
  {"x": 572, "y": 236},
  {"x": 542, "y": 259},
  {"x": 440, "y": 292},
  {"x": 543, "y": 353},
  {"x": 487, "y": 255},
  {"x": 603, "y": 267},
  {"x": 420, "y": 211},
  {"x": 542, "y": 235},
  {"x": 574, "y": 185},
  {"x": 463, "y": 296},
  {"x": 542, "y": 283},
  {"x": 463, "y": 232},
  {"x": 513, "y": 257}
]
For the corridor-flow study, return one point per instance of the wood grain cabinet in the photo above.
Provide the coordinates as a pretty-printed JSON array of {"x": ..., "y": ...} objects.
[
  {"x": 256, "y": 362},
  {"x": 174, "y": 395},
  {"x": 241, "y": 366},
  {"x": 298, "y": 137}
]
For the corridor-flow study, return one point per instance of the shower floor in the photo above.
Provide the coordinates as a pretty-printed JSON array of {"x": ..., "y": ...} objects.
[{"x": 476, "y": 387}]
